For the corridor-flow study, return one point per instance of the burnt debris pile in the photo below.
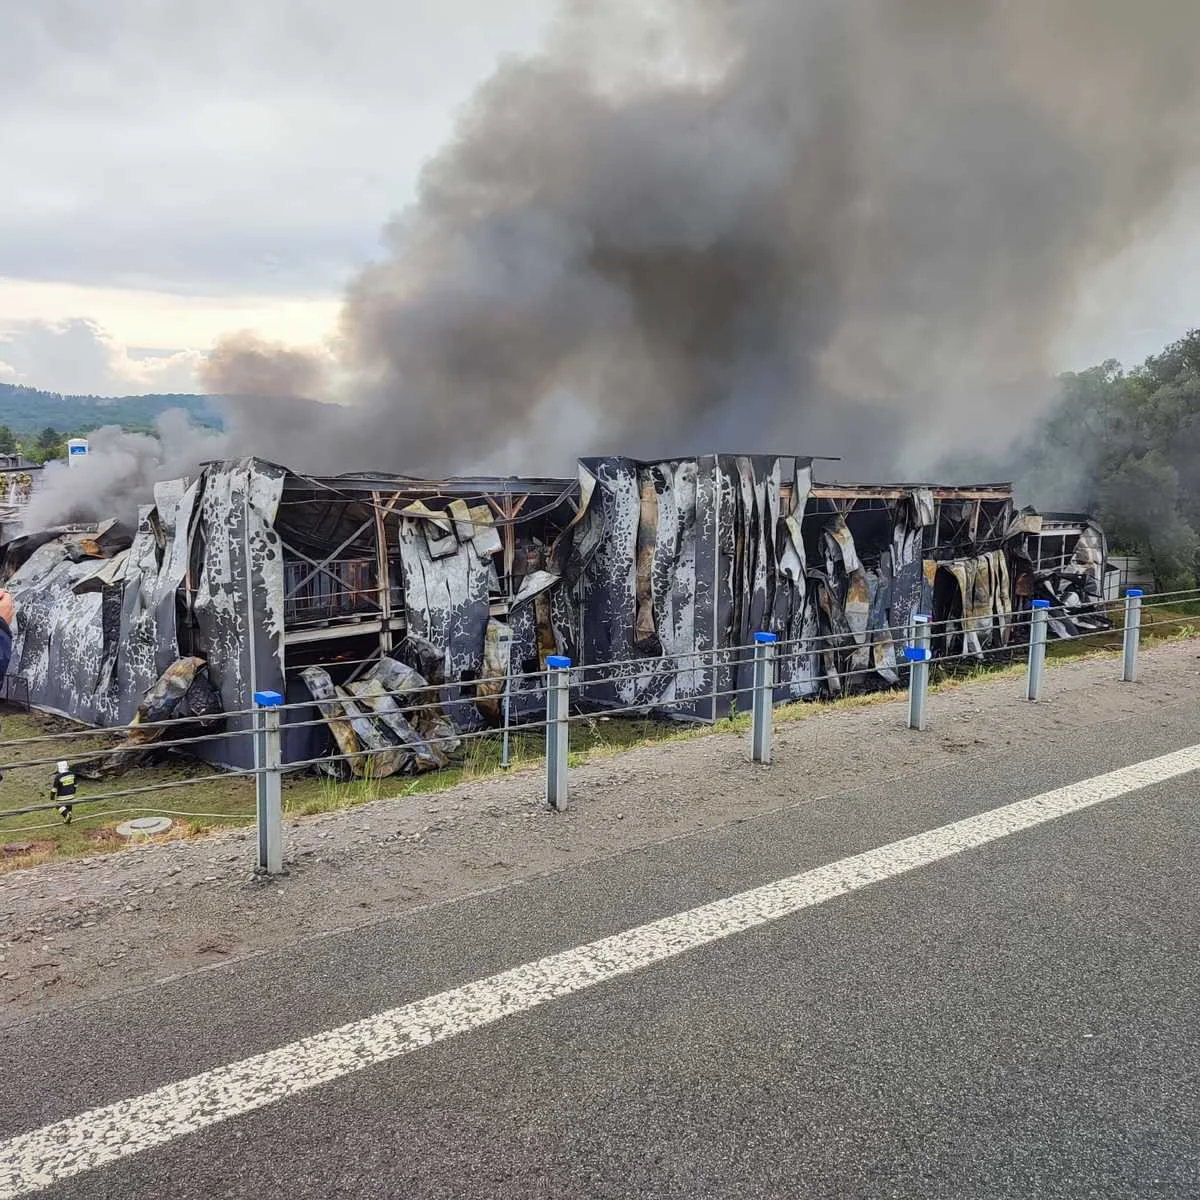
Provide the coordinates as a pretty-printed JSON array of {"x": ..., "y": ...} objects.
[{"x": 396, "y": 614}]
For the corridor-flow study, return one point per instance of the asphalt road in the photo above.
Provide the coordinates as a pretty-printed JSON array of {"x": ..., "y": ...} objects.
[{"x": 1018, "y": 1020}]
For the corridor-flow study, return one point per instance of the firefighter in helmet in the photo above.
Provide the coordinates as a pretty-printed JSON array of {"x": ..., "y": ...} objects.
[{"x": 62, "y": 791}]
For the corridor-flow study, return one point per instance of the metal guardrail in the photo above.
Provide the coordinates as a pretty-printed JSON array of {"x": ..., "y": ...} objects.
[{"x": 560, "y": 682}]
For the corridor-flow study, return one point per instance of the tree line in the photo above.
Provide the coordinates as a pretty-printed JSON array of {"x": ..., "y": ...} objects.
[
  {"x": 47, "y": 445},
  {"x": 27, "y": 411},
  {"x": 1124, "y": 445}
]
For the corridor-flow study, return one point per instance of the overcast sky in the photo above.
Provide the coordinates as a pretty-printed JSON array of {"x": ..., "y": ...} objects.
[{"x": 178, "y": 169}]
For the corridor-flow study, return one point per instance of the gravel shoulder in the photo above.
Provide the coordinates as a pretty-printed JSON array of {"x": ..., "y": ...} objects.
[{"x": 75, "y": 930}]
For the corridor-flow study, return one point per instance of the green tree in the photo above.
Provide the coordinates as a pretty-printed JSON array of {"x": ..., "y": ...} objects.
[
  {"x": 1125, "y": 446},
  {"x": 1140, "y": 505},
  {"x": 50, "y": 444},
  {"x": 8, "y": 440}
]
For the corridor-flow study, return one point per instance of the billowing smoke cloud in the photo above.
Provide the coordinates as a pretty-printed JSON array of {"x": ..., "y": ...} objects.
[
  {"x": 827, "y": 226},
  {"x": 813, "y": 224},
  {"x": 244, "y": 364},
  {"x": 120, "y": 471}
]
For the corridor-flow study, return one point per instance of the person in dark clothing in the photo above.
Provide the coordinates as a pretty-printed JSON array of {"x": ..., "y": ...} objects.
[
  {"x": 62, "y": 789},
  {"x": 6, "y": 625}
]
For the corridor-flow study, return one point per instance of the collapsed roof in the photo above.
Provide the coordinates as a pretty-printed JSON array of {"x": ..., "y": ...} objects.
[{"x": 653, "y": 571}]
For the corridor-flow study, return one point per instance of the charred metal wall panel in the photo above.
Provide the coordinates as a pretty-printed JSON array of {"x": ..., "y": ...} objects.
[
  {"x": 685, "y": 570},
  {"x": 59, "y": 646},
  {"x": 793, "y": 617},
  {"x": 446, "y": 604},
  {"x": 175, "y": 504},
  {"x": 137, "y": 667},
  {"x": 908, "y": 538},
  {"x": 238, "y": 598},
  {"x": 645, "y": 593},
  {"x": 753, "y": 483},
  {"x": 87, "y": 647},
  {"x": 96, "y": 632}
]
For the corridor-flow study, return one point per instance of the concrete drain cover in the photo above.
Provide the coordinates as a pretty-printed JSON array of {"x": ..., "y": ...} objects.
[{"x": 144, "y": 827}]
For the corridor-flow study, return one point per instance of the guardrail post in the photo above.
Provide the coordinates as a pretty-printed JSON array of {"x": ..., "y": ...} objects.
[
  {"x": 1037, "y": 648},
  {"x": 761, "y": 702},
  {"x": 268, "y": 782},
  {"x": 507, "y": 711},
  {"x": 918, "y": 655},
  {"x": 1133, "y": 633},
  {"x": 558, "y": 709}
]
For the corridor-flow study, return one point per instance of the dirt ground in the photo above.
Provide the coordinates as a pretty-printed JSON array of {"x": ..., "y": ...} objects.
[{"x": 74, "y": 930}]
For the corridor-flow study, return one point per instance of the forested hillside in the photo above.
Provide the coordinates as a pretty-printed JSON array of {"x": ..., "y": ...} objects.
[
  {"x": 27, "y": 410},
  {"x": 39, "y": 423},
  {"x": 1125, "y": 446}
]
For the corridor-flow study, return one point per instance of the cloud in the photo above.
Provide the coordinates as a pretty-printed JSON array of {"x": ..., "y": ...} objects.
[
  {"x": 227, "y": 147},
  {"x": 78, "y": 356},
  {"x": 149, "y": 318}
]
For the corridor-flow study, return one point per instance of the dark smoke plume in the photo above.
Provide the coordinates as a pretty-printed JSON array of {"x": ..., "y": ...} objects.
[
  {"x": 244, "y": 364},
  {"x": 802, "y": 224},
  {"x": 816, "y": 226}
]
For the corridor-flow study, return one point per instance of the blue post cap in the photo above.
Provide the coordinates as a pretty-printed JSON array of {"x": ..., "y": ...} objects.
[
  {"x": 268, "y": 699},
  {"x": 1041, "y": 603},
  {"x": 556, "y": 662},
  {"x": 764, "y": 639},
  {"x": 917, "y": 654},
  {"x": 1135, "y": 592}
]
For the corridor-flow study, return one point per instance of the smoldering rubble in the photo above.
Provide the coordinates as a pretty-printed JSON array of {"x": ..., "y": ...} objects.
[{"x": 396, "y": 615}]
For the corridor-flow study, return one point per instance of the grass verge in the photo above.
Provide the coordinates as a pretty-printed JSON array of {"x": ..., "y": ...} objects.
[{"x": 30, "y": 838}]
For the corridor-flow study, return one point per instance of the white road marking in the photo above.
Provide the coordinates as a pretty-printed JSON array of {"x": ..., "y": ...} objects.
[{"x": 36, "y": 1160}]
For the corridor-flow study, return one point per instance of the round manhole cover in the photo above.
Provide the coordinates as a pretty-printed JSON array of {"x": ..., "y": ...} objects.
[{"x": 144, "y": 827}]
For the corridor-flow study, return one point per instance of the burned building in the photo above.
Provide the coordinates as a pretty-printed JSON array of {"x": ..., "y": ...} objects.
[{"x": 362, "y": 595}]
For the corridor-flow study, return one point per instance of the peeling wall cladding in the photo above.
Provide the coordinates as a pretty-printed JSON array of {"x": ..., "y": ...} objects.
[
  {"x": 60, "y": 643},
  {"x": 527, "y": 697},
  {"x": 446, "y": 603},
  {"x": 793, "y": 617},
  {"x": 649, "y": 628},
  {"x": 684, "y": 568},
  {"x": 175, "y": 504},
  {"x": 94, "y": 635},
  {"x": 908, "y": 536},
  {"x": 692, "y": 557},
  {"x": 749, "y": 486},
  {"x": 137, "y": 668},
  {"x": 87, "y": 654},
  {"x": 238, "y": 598}
]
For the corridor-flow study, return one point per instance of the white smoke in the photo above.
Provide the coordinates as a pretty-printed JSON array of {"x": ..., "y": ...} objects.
[{"x": 120, "y": 471}]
